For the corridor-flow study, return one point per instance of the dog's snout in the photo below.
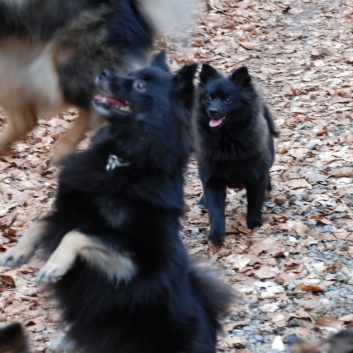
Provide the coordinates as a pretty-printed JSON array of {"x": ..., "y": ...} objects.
[{"x": 213, "y": 112}]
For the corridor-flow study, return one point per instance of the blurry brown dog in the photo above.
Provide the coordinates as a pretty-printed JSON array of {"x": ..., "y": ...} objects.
[
  {"x": 341, "y": 342},
  {"x": 51, "y": 51}
]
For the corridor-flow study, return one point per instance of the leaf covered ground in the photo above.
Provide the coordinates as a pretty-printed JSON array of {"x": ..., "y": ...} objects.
[{"x": 295, "y": 273}]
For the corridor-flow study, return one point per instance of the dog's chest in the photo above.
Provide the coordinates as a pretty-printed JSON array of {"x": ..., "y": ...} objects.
[
  {"x": 113, "y": 212},
  {"x": 228, "y": 148},
  {"x": 111, "y": 205}
]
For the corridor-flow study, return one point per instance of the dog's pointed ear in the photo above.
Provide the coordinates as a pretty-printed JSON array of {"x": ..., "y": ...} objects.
[
  {"x": 241, "y": 77},
  {"x": 184, "y": 84},
  {"x": 207, "y": 73},
  {"x": 160, "y": 61}
]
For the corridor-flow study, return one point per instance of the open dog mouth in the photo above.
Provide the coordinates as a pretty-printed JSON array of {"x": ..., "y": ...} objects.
[
  {"x": 215, "y": 122},
  {"x": 108, "y": 105}
]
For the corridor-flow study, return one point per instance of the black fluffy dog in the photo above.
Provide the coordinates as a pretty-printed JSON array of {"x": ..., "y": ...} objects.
[
  {"x": 235, "y": 135},
  {"x": 116, "y": 262}
]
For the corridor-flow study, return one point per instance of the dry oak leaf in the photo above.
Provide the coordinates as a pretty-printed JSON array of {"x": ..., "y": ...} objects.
[
  {"x": 279, "y": 200},
  {"x": 6, "y": 282},
  {"x": 347, "y": 318},
  {"x": 343, "y": 172},
  {"x": 301, "y": 314},
  {"x": 235, "y": 341},
  {"x": 232, "y": 325},
  {"x": 329, "y": 322},
  {"x": 298, "y": 184},
  {"x": 244, "y": 230},
  {"x": 279, "y": 319},
  {"x": 266, "y": 272},
  {"x": 309, "y": 287},
  {"x": 295, "y": 11},
  {"x": 249, "y": 45},
  {"x": 239, "y": 261},
  {"x": 321, "y": 219},
  {"x": 196, "y": 250}
]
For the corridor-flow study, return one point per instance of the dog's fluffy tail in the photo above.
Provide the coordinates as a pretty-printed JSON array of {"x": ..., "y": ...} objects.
[
  {"x": 270, "y": 123},
  {"x": 216, "y": 294},
  {"x": 165, "y": 14},
  {"x": 13, "y": 339}
]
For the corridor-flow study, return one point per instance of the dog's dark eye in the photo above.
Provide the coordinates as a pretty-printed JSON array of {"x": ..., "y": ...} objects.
[
  {"x": 228, "y": 100},
  {"x": 140, "y": 85},
  {"x": 208, "y": 99}
]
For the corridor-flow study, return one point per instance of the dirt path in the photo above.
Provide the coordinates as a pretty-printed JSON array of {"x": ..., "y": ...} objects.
[{"x": 295, "y": 273}]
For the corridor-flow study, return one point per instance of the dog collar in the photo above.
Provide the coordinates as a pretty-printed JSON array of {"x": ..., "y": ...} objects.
[{"x": 115, "y": 162}]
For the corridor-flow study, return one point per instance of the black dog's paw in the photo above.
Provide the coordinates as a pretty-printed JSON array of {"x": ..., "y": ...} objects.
[
  {"x": 254, "y": 223},
  {"x": 216, "y": 239}
]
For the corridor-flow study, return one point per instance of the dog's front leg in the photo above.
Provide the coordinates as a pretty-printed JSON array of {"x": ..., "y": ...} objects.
[
  {"x": 115, "y": 265},
  {"x": 26, "y": 247},
  {"x": 21, "y": 120},
  {"x": 215, "y": 198},
  {"x": 81, "y": 125}
]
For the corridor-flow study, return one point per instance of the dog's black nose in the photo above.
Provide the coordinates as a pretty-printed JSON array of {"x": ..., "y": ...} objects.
[{"x": 213, "y": 113}]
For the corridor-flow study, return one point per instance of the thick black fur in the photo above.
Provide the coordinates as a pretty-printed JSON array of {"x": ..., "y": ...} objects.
[
  {"x": 239, "y": 151},
  {"x": 13, "y": 339},
  {"x": 170, "y": 305}
]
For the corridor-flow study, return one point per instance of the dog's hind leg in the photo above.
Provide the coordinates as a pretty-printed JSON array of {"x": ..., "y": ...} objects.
[
  {"x": 72, "y": 138},
  {"x": 20, "y": 121},
  {"x": 269, "y": 184},
  {"x": 24, "y": 250},
  {"x": 117, "y": 266},
  {"x": 255, "y": 193}
]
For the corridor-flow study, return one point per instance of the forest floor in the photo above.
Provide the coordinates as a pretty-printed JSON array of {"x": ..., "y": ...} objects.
[{"x": 295, "y": 273}]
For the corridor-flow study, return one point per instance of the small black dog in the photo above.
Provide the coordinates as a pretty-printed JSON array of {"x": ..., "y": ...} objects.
[
  {"x": 116, "y": 262},
  {"x": 235, "y": 144}
]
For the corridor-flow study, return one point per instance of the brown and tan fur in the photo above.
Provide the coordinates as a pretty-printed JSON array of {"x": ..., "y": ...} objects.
[
  {"x": 117, "y": 266},
  {"x": 43, "y": 71}
]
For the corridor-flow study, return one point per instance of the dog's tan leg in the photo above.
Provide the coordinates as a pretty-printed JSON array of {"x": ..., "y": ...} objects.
[
  {"x": 117, "y": 266},
  {"x": 20, "y": 121},
  {"x": 26, "y": 247},
  {"x": 69, "y": 142}
]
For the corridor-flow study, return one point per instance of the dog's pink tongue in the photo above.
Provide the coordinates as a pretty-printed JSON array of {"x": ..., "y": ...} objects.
[
  {"x": 111, "y": 101},
  {"x": 215, "y": 122},
  {"x": 116, "y": 102}
]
